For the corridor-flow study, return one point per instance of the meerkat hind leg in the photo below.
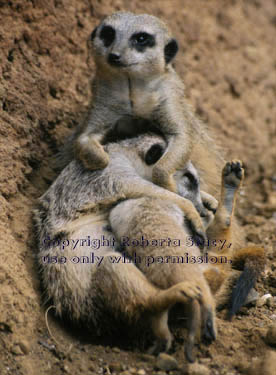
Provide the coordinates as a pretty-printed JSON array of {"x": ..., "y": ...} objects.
[
  {"x": 185, "y": 292},
  {"x": 134, "y": 294}
]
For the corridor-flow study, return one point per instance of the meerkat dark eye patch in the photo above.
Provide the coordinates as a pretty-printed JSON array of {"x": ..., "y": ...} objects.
[
  {"x": 170, "y": 50},
  {"x": 140, "y": 41},
  {"x": 192, "y": 179},
  {"x": 154, "y": 154},
  {"x": 107, "y": 35}
]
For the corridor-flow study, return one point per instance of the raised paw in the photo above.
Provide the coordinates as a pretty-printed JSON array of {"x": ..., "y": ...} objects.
[
  {"x": 91, "y": 153},
  {"x": 232, "y": 174}
]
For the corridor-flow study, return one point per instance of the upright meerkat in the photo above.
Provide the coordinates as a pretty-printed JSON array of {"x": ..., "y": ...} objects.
[
  {"x": 78, "y": 274},
  {"x": 135, "y": 81},
  {"x": 134, "y": 77}
]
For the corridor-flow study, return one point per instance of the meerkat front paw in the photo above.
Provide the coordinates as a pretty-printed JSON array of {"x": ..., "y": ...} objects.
[
  {"x": 233, "y": 174},
  {"x": 91, "y": 153},
  {"x": 186, "y": 291},
  {"x": 196, "y": 227},
  {"x": 209, "y": 202}
]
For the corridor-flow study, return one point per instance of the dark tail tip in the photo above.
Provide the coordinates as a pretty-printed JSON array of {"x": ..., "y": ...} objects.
[{"x": 245, "y": 283}]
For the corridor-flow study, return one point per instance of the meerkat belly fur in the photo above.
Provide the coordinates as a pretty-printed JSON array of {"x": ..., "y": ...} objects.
[{"x": 76, "y": 206}]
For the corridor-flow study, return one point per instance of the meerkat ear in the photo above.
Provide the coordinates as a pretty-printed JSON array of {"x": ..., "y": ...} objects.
[
  {"x": 170, "y": 50},
  {"x": 93, "y": 34}
]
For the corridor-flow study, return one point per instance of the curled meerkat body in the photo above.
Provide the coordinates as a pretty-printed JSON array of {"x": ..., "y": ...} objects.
[
  {"x": 84, "y": 284},
  {"x": 165, "y": 265}
]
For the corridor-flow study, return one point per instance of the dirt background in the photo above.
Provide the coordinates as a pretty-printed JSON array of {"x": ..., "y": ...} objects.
[{"x": 227, "y": 60}]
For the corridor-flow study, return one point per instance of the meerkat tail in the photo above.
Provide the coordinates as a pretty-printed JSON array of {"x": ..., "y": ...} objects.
[{"x": 253, "y": 260}]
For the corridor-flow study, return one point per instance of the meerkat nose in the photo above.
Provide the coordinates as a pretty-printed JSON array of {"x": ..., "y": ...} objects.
[{"x": 114, "y": 59}]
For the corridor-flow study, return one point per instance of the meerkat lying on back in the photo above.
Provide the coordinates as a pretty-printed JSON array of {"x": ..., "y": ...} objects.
[
  {"x": 134, "y": 77},
  {"x": 164, "y": 266},
  {"x": 90, "y": 286}
]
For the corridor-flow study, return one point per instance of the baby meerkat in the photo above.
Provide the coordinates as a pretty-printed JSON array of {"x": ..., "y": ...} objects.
[
  {"x": 92, "y": 286},
  {"x": 134, "y": 77},
  {"x": 164, "y": 265}
]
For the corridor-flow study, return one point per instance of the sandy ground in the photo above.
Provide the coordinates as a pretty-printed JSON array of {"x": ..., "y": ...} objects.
[{"x": 227, "y": 60}]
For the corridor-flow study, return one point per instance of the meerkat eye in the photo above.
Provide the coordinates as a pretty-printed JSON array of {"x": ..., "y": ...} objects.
[
  {"x": 107, "y": 35},
  {"x": 142, "y": 40}
]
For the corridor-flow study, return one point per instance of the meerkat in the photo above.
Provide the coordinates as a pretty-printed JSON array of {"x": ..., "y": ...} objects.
[
  {"x": 73, "y": 212},
  {"x": 152, "y": 219},
  {"x": 135, "y": 78},
  {"x": 141, "y": 85}
]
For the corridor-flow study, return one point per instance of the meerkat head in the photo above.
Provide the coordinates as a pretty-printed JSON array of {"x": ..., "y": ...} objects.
[
  {"x": 188, "y": 185},
  {"x": 133, "y": 44}
]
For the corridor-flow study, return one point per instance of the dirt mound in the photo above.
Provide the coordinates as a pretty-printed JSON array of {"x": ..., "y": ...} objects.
[{"x": 227, "y": 61}]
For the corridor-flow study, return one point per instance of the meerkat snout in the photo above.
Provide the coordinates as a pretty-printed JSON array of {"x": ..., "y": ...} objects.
[{"x": 114, "y": 59}]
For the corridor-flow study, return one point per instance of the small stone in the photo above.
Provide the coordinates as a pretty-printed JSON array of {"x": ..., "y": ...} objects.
[
  {"x": 271, "y": 335},
  {"x": 24, "y": 346},
  {"x": 271, "y": 302},
  {"x": 197, "y": 369},
  {"x": 205, "y": 360},
  {"x": 235, "y": 346},
  {"x": 262, "y": 301},
  {"x": 166, "y": 362},
  {"x": 115, "y": 367},
  {"x": 141, "y": 372},
  {"x": 17, "y": 350},
  {"x": 116, "y": 350},
  {"x": 252, "y": 297},
  {"x": 132, "y": 370}
]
